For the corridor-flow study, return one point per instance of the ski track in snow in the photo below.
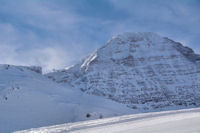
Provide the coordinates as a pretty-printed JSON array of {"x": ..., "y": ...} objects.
[{"x": 179, "y": 121}]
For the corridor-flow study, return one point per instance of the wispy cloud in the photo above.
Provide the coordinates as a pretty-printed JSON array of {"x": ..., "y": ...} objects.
[
  {"x": 39, "y": 34},
  {"x": 55, "y": 34}
]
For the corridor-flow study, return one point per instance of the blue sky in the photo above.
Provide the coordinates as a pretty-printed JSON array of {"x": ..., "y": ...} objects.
[{"x": 59, "y": 33}]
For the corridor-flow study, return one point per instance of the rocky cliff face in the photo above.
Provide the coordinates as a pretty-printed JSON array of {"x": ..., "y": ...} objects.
[{"x": 142, "y": 70}]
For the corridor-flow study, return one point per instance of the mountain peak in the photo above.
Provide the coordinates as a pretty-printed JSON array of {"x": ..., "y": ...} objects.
[
  {"x": 130, "y": 44},
  {"x": 142, "y": 70},
  {"x": 136, "y": 37}
]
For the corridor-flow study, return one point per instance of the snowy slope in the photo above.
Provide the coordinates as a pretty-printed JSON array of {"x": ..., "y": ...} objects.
[
  {"x": 28, "y": 99},
  {"x": 142, "y": 70},
  {"x": 179, "y": 121}
]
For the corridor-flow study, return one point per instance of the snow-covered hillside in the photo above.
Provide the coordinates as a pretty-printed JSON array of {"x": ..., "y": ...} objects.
[
  {"x": 28, "y": 99},
  {"x": 142, "y": 70},
  {"x": 179, "y": 121}
]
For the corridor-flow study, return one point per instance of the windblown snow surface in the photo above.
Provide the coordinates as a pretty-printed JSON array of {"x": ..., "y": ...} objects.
[{"x": 179, "y": 121}]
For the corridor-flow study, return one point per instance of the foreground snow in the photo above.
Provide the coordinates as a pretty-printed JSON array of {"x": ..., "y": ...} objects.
[{"x": 179, "y": 121}]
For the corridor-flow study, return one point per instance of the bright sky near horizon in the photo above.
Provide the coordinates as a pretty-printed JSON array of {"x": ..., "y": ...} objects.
[{"x": 59, "y": 33}]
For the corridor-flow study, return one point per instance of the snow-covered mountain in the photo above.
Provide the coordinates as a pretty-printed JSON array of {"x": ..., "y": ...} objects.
[
  {"x": 28, "y": 99},
  {"x": 142, "y": 70}
]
